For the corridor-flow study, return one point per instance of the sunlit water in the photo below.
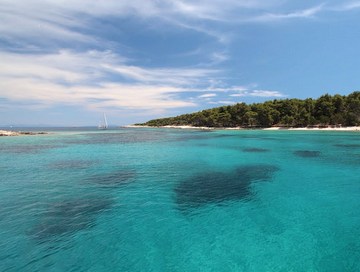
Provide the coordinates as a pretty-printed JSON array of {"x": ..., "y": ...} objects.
[{"x": 180, "y": 200}]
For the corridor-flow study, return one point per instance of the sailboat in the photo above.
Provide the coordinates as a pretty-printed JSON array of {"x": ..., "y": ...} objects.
[{"x": 103, "y": 124}]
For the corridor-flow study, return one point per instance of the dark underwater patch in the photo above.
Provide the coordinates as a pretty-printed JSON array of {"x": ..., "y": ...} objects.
[
  {"x": 218, "y": 187},
  {"x": 27, "y": 148},
  {"x": 224, "y": 136},
  {"x": 114, "y": 179},
  {"x": 192, "y": 137},
  {"x": 307, "y": 153},
  {"x": 256, "y": 137},
  {"x": 255, "y": 150},
  {"x": 69, "y": 216},
  {"x": 212, "y": 187}
]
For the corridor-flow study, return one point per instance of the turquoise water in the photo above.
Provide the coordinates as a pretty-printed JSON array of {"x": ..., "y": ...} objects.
[{"x": 180, "y": 200}]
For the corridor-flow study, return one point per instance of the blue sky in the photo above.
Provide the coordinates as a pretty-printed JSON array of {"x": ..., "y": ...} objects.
[{"x": 66, "y": 62}]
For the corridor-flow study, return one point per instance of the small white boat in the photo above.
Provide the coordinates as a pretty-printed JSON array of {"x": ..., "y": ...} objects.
[{"x": 103, "y": 124}]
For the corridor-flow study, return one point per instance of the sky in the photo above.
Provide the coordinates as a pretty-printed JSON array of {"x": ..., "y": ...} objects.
[{"x": 65, "y": 63}]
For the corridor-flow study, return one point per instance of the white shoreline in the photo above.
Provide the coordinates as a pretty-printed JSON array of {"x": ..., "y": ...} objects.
[
  {"x": 357, "y": 128},
  {"x": 19, "y": 133},
  {"x": 176, "y": 127}
]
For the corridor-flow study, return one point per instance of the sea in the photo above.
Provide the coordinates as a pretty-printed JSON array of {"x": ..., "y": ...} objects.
[{"x": 153, "y": 199}]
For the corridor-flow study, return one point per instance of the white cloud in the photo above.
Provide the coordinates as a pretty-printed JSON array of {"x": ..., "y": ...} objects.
[
  {"x": 228, "y": 88},
  {"x": 87, "y": 79},
  {"x": 63, "y": 21},
  {"x": 300, "y": 14},
  {"x": 39, "y": 22},
  {"x": 178, "y": 76},
  {"x": 223, "y": 102},
  {"x": 266, "y": 93},
  {"x": 347, "y": 6},
  {"x": 214, "y": 10},
  {"x": 100, "y": 78},
  {"x": 259, "y": 93},
  {"x": 218, "y": 57},
  {"x": 208, "y": 95},
  {"x": 95, "y": 97}
]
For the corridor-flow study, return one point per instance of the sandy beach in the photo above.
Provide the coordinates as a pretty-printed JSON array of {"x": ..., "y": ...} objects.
[{"x": 175, "y": 127}]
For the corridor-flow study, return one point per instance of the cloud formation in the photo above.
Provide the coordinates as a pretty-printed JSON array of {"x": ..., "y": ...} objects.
[
  {"x": 89, "y": 79},
  {"x": 299, "y": 14},
  {"x": 51, "y": 54}
]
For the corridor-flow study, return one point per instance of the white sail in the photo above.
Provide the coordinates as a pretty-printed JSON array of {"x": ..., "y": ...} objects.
[
  {"x": 103, "y": 124},
  {"x": 105, "y": 121}
]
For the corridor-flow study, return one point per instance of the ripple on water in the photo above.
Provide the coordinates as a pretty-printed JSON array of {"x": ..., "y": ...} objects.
[
  {"x": 69, "y": 216},
  {"x": 217, "y": 187},
  {"x": 71, "y": 164},
  {"x": 115, "y": 179},
  {"x": 256, "y": 172},
  {"x": 255, "y": 150},
  {"x": 348, "y": 146},
  {"x": 117, "y": 138}
]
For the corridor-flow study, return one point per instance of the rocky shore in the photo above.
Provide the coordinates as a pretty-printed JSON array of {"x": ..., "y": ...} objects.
[{"x": 19, "y": 133}]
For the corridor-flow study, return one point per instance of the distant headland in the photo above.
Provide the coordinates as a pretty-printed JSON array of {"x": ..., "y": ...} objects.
[{"x": 328, "y": 112}]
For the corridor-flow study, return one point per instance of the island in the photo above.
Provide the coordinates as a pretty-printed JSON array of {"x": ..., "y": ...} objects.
[{"x": 336, "y": 112}]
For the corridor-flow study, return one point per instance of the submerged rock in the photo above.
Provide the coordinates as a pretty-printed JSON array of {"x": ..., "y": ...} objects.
[
  {"x": 307, "y": 153},
  {"x": 68, "y": 217},
  {"x": 217, "y": 187}
]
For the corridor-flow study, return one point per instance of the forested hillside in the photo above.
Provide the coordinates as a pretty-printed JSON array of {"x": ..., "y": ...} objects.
[{"x": 324, "y": 111}]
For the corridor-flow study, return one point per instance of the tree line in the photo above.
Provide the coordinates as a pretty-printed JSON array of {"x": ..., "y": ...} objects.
[{"x": 327, "y": 110}]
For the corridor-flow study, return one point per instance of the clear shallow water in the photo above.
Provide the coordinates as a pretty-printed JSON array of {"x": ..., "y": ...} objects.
[{"x": 179, "y": 200}]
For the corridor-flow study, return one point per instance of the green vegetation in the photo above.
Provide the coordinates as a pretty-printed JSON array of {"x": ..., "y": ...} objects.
[{"x": 324, "y": 111}]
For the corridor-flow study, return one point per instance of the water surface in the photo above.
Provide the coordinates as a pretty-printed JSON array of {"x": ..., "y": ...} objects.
[{"x": 180, "y": 200}]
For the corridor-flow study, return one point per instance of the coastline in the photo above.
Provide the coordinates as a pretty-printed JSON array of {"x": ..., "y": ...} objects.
[
  {"x": 176, "y": 127},
  {"x": 329, "y": 128},
  {"x": 19, "y": 133}
]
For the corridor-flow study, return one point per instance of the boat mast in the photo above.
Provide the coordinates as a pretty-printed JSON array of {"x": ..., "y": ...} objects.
[{"x": 105, "y": 121}]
